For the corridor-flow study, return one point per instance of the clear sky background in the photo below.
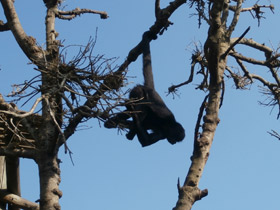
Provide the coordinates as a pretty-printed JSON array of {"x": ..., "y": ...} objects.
[{"x": 111, "y": 172}]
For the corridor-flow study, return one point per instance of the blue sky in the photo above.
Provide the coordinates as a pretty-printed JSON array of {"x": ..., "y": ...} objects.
[{"x": 111, "y": 172}]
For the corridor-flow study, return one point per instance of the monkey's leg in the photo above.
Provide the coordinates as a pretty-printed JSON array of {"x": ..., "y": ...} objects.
[{"x": 131, "y": 133}]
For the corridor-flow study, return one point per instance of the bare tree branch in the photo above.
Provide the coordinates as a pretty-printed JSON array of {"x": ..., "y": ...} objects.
[
  {"x": 157, "y": 9},
  {"x": 27, "y": 43},
  {"x": 16, "y": 113},
  {"x": 274, "y": 134},
  {"x": 69, "y": 15},
  {"x": 18, "y": 152},
  {"x": 251, "y": 43},
  {"x": 247, "y": 59},
  {"x": 196, "y": 58},
  {"x": 17, "y": 201},
  {"x": 235, "y": 17},
  {"x": 255, "y": 8}
]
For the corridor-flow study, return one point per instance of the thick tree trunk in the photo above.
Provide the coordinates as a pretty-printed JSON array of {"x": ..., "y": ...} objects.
[
  {"x": 189, "y": 193},
  {"x": 215, "y": 47},
  {"x": 49, "y": 182}
]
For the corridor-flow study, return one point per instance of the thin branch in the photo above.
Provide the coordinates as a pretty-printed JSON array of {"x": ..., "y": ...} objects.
[
  {"x": 244, "y": 69},
  {"x": 247, "y": 59},
  {"x": 200, "y": 115},
  {"x": 236, "y": 42},
  {"x": 223, "y": 93},
  {"x": 274, "y": 134},
  {"x": 257, "y": 7},
  {"x": 251, "y": 43},
  {"x": 69, "y": 15},
  {"x": 240, "y": 81},
  {"x": 194, "y": 62}
]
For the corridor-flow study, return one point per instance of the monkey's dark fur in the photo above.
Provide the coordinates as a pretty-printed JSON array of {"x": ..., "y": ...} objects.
[{"x": 147, "y": 109}]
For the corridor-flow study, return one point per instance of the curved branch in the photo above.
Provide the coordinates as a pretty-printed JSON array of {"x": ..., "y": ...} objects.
[
  {"x": 263, "y": 81},
  {"x": 17, "y": 201},
  {"x": 247, "y": 59},
  {"x": 253, "y": 44},
  {"x": 235, "y": 17},
  {"x": 17, "y": 113},
  {"x": 196, "y": 58},
  {"x": 27, "y": 43}
]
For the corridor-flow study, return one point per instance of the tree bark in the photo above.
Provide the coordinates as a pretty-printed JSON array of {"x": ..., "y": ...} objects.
[
  {"x": 17, "y": 201},
  {"x": 215, "y": 47},
  {"x": 49, "y": 181}
]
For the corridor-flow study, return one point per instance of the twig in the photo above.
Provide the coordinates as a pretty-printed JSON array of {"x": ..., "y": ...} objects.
[
  {"x": 274, "y": 134},
  {"x": 195, "y": 59}
]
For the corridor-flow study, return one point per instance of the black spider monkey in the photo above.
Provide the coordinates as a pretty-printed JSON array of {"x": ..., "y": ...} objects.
[{"x": 147, "y": 109}]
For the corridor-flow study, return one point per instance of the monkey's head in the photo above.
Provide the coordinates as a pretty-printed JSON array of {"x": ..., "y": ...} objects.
[{"x": 175, "y": 133}]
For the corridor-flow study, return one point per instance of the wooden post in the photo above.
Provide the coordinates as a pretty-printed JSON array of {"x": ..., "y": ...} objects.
[
  {"x": 13, "y": 178},
  {"x": 3, "y": 180}
]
